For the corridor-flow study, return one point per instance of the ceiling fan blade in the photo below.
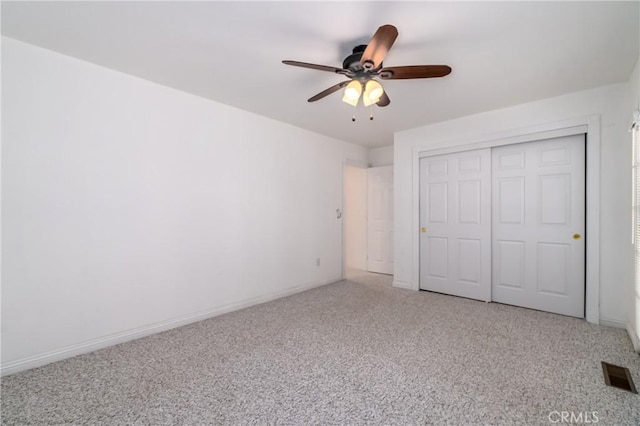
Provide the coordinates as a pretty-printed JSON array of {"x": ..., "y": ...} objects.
[
  {"x": 414, "y": 71},
  {"x": 384, "y": 100},
  {"x": 378, "y": 47},
  {"x": 315, "y": 67},
  {"x": 328, "y": 91}
]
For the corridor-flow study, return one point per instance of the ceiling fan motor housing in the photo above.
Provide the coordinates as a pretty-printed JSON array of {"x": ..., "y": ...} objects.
[{"x": 352, "y": 62}]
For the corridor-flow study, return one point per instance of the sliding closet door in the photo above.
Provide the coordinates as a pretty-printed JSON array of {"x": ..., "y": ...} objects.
[
  {"x": 539, "y": 224},
  {"x": 455, "y": 222}
]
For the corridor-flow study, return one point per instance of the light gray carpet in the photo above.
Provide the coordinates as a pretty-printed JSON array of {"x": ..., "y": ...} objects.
[{"x": 353, "y": 352}]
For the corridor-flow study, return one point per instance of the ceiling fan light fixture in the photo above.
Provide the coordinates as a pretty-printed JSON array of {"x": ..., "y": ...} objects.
[
  {"x": 352, "y": 93},
  {"x": 372, "y": 92},
  {"x": 365, "y": 64}
]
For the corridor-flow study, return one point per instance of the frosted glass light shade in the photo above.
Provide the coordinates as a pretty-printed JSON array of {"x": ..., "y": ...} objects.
[
  {"x": 352, "y": 93},
  {"x": 372, "y": 92}
]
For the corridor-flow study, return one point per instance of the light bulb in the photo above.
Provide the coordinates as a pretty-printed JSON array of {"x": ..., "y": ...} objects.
[
  {"x": 372, "y": 92},
  {"x": 376, "y": 93},
  {"x": 352, "y": 93}
]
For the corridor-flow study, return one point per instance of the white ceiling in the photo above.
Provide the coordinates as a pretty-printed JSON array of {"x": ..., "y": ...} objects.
[{"x": 502, "y": 53}]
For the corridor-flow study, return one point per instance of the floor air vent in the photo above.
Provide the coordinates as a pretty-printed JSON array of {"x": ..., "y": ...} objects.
[{"x": 618, "y": 377}]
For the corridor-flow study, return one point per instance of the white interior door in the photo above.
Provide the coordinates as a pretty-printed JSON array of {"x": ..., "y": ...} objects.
[
  {"x": 539, "y": 224},
  {"x": 380, "y": 219},
  {"x": 354, "y": 219},
  {"x": 455, "y": 221}
]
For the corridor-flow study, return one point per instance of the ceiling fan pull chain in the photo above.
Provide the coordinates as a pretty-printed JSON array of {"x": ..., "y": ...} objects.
[
  {"x": 371, "y": 114},
  {"x": 353, "y": 118}
]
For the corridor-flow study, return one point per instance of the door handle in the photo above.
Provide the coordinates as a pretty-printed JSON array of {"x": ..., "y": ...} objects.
[
  {"x": 423, "y": 229},
  {"x": 577, "y": 236}
]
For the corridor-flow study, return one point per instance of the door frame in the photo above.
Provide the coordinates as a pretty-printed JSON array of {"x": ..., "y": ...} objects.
[{"x": 588, "y": 125}]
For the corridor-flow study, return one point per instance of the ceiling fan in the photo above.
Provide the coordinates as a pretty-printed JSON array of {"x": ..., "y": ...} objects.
[{"x": 364, "y": 65}]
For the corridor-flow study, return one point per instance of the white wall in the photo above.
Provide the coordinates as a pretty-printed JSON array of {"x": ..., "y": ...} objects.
[
  {"x": 382, "y": 156},
  {"x": 129, "y": 207},
  {"x": 355, "y": 217},
  {"x": 615, "y": 256}
]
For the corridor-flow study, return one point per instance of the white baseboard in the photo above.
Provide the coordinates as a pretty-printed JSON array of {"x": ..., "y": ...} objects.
[
  {"x": 633, "y": 335},
  {"x": 136, "y": 333},
  {"x": 608, "y": 322},
  {"x": 403, "y": 284}
]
